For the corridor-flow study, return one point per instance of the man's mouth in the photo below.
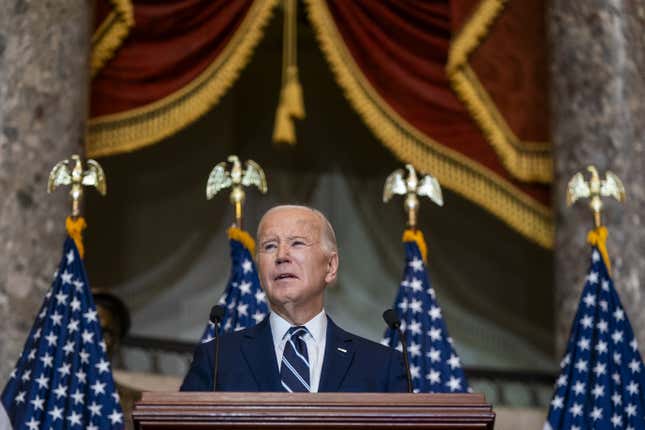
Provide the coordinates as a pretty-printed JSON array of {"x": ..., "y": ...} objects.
[{"x": 282, "y": 276}]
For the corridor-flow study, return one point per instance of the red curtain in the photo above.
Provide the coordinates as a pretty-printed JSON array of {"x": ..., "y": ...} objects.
[
  {"x": 172, "y": 42},
  {"x": 402, "y": 48},
  {"x": 454, "y": 87}
]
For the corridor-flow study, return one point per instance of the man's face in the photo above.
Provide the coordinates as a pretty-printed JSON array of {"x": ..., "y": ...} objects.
[{"x": 294, "y": 268}]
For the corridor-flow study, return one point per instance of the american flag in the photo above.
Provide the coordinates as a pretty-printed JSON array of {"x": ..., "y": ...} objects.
[
  {"x": 63, "y": 377},
  {"x": 243, "y": 298},
  {"x": 435, "y": 367},
  {"x": 599, "y": 386}
]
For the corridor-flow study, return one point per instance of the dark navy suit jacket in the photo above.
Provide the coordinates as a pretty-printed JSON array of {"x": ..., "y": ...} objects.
[{"x": 247, "y": 362}]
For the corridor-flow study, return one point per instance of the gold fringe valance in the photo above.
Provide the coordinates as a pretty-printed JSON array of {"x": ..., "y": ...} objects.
[
  {"x": 110, "y": 34},
  {"x": 526, "y": 162},
  {"x": 137, "y": 128},
  {"x": 455, "y": 171}
]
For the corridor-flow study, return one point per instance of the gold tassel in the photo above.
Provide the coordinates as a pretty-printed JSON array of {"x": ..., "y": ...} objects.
[
  {"x": 242, "y": 237},
  {"x": 284, "y": 130},
  {"x": 291, "y": 103},
  {"x": 75, "y": 229},
  {"x": 598, "y": 238},
  {"x": 293, "y": 94},
  {"x": 410, "y": 235}
]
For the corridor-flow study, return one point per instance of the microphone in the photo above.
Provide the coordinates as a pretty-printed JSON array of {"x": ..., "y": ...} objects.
[
  {"x": 216, "y": 316},
  {"x": 393, "y": 322}
]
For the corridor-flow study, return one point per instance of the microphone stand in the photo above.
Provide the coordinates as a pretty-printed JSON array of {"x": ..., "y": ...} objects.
[
  {"x": 393, "y": 322},
  {"x": 404, "y": 345},
  {"x": 217, "y": 313}
]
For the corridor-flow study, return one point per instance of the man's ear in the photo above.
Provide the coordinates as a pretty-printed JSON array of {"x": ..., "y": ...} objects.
[{"x": 332, "y": 268}]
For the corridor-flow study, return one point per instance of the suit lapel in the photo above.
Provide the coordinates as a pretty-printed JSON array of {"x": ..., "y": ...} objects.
[
  {"x": 338, "y": 356},
  {"x": 257, "y": 349}
]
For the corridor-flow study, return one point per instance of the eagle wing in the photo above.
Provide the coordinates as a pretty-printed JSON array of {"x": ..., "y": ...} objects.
[
  {"x": 254, "y": 175},
  {"x": 218, "y": 179},
  {"x": 577, "y": 189},
  {"x": 59, "y": 175},
  {"x": 394, "y": 184},
  {"x": 94, "y": 176},
  {"x": 430, "y": 187},
  {"x": 612, "y": 186}
]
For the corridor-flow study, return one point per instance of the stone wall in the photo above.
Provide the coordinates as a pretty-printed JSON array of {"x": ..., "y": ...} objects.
[
  {"x": 598, "y": 93},
  {"x": 44, "y": 50}
]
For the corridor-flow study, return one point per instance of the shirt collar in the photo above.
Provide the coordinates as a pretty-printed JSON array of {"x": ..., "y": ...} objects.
[{"x": 317, "y": 327}]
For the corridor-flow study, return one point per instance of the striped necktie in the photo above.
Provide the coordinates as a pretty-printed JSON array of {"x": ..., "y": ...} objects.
[{"x": 294, "y": 371}]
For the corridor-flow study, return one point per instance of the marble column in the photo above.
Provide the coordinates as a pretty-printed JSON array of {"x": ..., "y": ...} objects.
[
  {"x": 44, "y": 50},
  {"x": 598, "y": 117}
]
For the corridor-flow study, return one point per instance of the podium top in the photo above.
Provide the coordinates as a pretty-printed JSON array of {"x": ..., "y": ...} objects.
[
  {"x": 336, "y": 399},
  {"x": 312, "y": 410}
]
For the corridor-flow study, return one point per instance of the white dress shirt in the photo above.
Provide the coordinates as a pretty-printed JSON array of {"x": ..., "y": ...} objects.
[{"x": 316, "y": 338}]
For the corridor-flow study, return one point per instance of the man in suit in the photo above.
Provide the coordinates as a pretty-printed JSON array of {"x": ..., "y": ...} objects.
[{"x": 297, "y": 348}]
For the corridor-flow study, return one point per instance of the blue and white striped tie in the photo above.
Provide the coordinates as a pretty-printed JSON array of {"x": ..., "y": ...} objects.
[{"x": 294, "y": 371}]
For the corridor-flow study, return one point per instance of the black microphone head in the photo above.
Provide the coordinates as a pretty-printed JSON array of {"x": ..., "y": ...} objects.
[
  {"x": 217, "y": 314},
  {"x": 391, "y": 319}
]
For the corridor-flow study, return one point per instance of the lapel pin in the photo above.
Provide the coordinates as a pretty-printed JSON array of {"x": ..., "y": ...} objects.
[{"x": 341, "y": 349}]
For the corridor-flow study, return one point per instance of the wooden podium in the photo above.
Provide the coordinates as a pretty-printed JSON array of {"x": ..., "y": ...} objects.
[{"x": 311, "y": 411}]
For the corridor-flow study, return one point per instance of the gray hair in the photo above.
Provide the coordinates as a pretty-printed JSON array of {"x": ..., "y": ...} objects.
[{"x": 327, "y": 234}]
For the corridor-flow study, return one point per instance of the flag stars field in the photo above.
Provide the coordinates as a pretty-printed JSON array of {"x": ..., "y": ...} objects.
[
  {"x": 63, "y": 366},
  {"x": 600, "y": 388},
  {"x": 244, "y": 300},
  {"x": 434, "y": 365}
]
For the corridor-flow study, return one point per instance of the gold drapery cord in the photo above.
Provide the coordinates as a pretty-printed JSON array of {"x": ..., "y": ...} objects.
[
  {"x": 454, "y": 170},
  {"x": 136, "y": 128},
  {"x": 107, "y": 39},
  {"x": 526, "y": 162},
  {"x": 290, "y": 105}
]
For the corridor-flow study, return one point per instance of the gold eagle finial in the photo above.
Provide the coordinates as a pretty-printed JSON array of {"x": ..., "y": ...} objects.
[
  {"x": 411, "y": 187},
  {"x": 236, "y": 178},
  {"x": 594, "y": 190},
  {"x": 70, "y": 172}
]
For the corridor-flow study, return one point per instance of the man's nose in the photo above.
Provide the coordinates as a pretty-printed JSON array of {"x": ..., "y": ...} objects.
[{"x": 282, "y": 255}]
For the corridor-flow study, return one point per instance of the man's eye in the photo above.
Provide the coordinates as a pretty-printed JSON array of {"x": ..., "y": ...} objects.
[
  {"x": 297, "y": 243},
  {"x": 269, "y": 247}
]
